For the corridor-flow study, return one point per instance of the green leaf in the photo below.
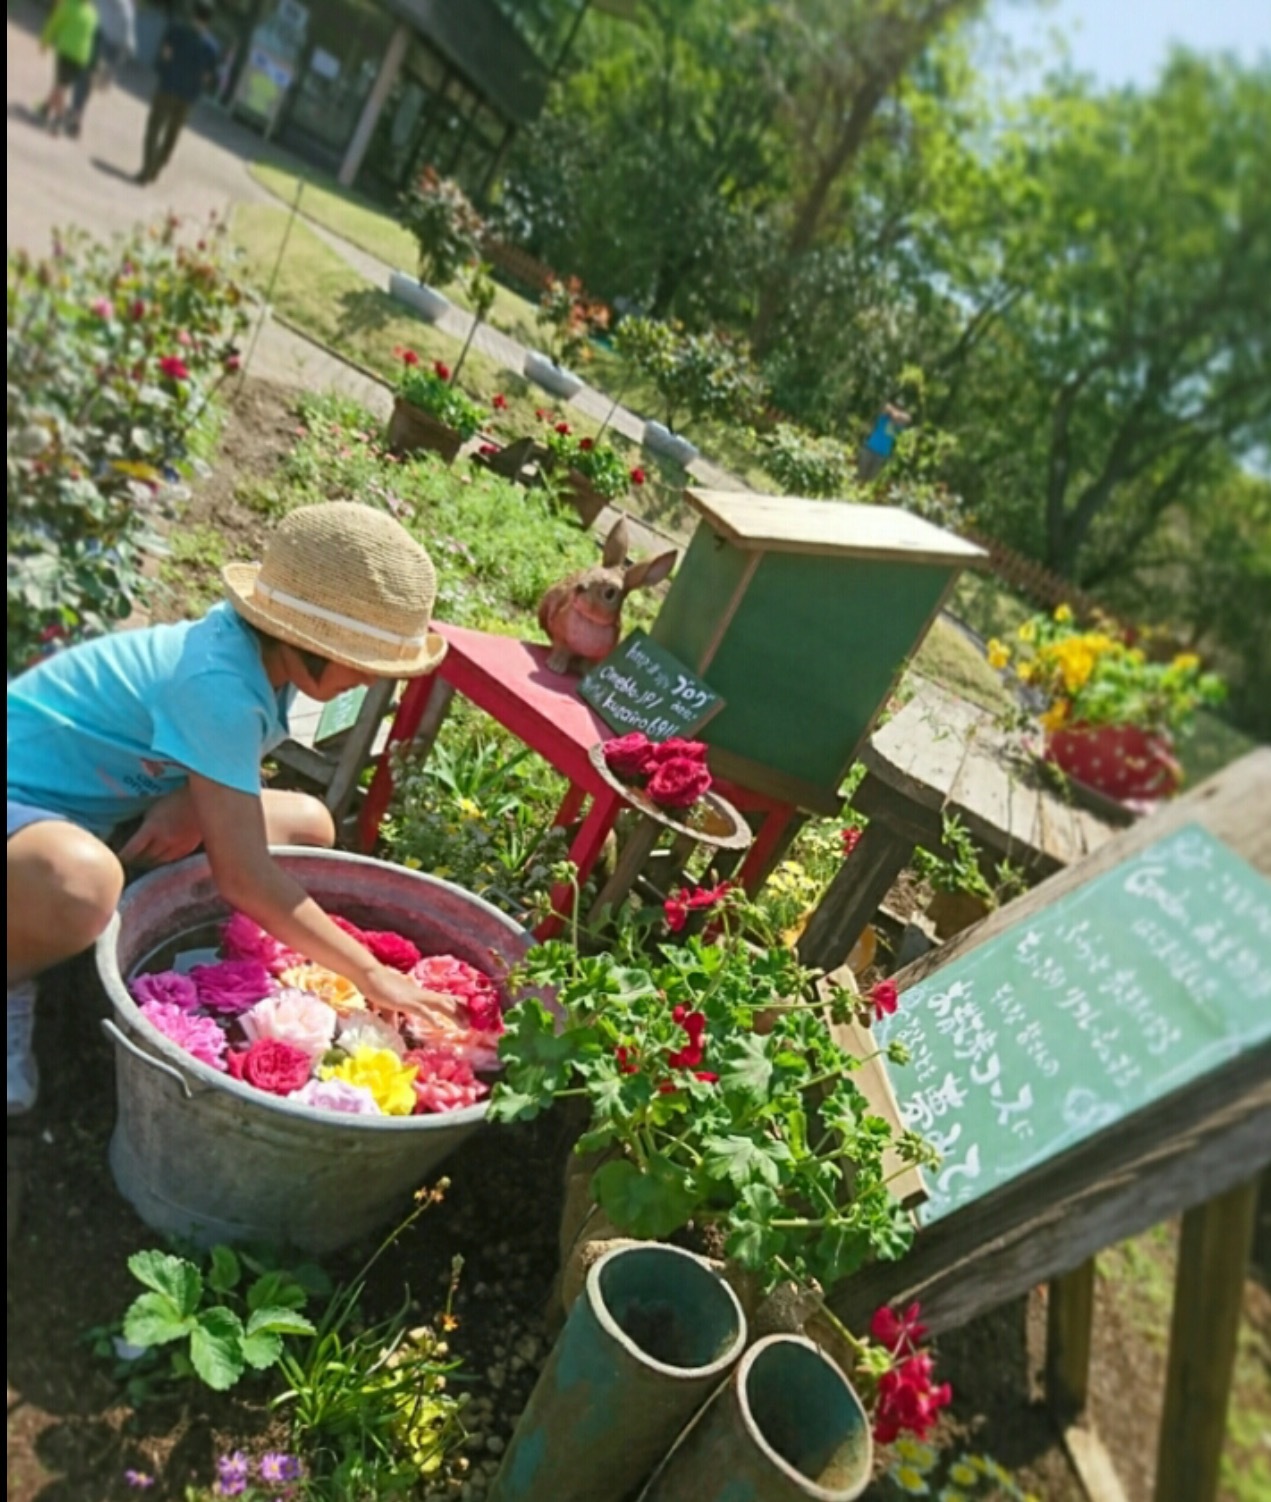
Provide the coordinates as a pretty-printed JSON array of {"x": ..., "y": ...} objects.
[
  {"x": 154, "y": 1319},
  {"x": 507, "y": 1104},
  {"x": 648, "y": 1205},
  {"x": 225, "y": 1271},
  {"x": 274, "y": 1289},
  {"x": 741, "y": 1161},
  {"x": 279, "y": 1320},
  {"x": 747, "y": 1069},
  {"x": 173, "y": 1276},
  {"x": 262, "y": 1349},
  {"x": 839, "y": 1251},
  {"x": 216, "y": 1348},
  {"x": 754, "y": 1246}
]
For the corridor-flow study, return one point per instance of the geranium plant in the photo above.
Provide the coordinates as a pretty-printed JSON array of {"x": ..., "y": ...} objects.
[
  {"x": 447, "y": 229},
  {"x": 717, "y": 1094},
  {"x": 567, "y": 318},
  {"x": 1096, "y": 676},
  {"x": 431, "y": 388},
  {"x": 600, "y": 464}
]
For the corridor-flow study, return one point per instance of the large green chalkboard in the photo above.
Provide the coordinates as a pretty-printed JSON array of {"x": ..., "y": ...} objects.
[{"x": 1143, "y": 979}]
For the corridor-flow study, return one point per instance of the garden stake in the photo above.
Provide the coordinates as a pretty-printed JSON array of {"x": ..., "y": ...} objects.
[
  {"x": 653, "y": 1333},
  {"x": 273, "y": 280}
]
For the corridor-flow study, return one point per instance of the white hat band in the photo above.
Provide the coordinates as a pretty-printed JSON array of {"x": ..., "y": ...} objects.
[{"x": 334, "y": 618}]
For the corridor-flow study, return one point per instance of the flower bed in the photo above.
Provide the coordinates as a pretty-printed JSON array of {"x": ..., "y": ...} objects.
[{"x": 270, "y": 1019}]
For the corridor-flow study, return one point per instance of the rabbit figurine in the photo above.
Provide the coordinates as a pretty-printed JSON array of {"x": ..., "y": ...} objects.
[{"x": 582, "y": 615}]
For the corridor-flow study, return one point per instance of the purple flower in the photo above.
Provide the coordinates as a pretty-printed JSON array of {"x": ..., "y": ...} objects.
[
  {"x": 276, "y": 1465},
  {"x": 139, "y": 1479},
  {"x": 167, "y": 987},
  {"x": 232, "y": 986},
  {"x": 231, "y": 1474},
  {"x": 200, "y": 1036}
]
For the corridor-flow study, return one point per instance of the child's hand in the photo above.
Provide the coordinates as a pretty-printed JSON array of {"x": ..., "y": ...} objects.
[
  {"x": 391, "y": 991},
  {"x": 169, "y": 831}
]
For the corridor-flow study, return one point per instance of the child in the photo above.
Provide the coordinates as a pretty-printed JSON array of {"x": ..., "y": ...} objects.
[
  {"x": 171, "y": 722},
  {"x": 71, "y": 31},
  {"x": 878, "y": 447},
  {"x": 115, "y": 43}
]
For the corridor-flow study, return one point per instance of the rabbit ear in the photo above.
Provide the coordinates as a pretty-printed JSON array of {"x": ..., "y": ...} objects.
[
  {"x": 616, "y": 544},
  {"x": 651, "y": 571}
]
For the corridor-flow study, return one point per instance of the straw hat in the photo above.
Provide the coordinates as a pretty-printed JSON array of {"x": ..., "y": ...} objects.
[{"x": 348, "y": 582}]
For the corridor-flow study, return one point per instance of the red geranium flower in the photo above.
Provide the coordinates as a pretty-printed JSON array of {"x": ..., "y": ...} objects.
[
  {"x": 629, "y": 757},
  {"x": 907, "y": 1400},
  {"x": 678, "y": 783},
  {"x": 676, "y": 911},
  {"x": 542, "y": 414},
  {"x": 895, "y": 1330},
  {"x": 498, "y": 401},
  {"x": 638, "y": 476},
  {"x": 586, "y": 444},
  {"x": 441, "y": 370},
  {"x": 272, "y": 1066},
  {"x": 174, "y": 368},
  {"x": 406, "y": 356},
  {"x": 563, "y": 428},
  {"x": 706, "y": 1076},
  {"x": 486, "y": 449},
  {"x": 625, "y": 1065},
  {"x": 851, "y": 838},
  {"x": 884, "y": 998}
]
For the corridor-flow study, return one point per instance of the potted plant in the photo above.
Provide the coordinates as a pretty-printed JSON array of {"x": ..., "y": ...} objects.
[
  {"x": 594, "y": 473},
  {"x": 566, "y": 319},
  {"x": 1110, "y": 711},
  {"x": 429, "y": 411},
  {"x": 447, "y": 230},
  {"x": 697, "y": 376}
]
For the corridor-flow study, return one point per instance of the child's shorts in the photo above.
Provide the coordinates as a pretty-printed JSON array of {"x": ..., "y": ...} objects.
[
  {"x": 68, "y": 73},
  {"x": 22, "y": 814}
]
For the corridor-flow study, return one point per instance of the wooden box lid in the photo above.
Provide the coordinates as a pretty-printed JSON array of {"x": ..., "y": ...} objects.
[{"x": 792, "y": 524}]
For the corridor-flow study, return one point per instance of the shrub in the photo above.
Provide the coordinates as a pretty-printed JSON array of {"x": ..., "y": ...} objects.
[
  {"x": 447, "y": 229},
  {"x": 696, "y": 375},
  {"x": 803, "y": 464},
  {"x": 567, "y": 319}
]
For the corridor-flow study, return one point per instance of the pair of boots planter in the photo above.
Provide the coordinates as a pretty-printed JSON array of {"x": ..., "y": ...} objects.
[
  {"x": 418, "y": 296},
  {"x": 652, "y": 1370},
  {"x": 544, "y": 372},
  {"x": 412, "y": 430}
]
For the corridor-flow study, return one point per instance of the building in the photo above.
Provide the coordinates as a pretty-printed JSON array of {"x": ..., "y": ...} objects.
[{"x": 374, "y": 89}]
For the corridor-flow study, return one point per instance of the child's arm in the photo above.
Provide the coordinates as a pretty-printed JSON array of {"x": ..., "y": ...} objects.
[{"x": 248, "y": 877}]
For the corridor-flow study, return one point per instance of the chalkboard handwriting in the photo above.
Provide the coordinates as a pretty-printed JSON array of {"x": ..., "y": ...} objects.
[
  {"x": 640, "y": 686},
  {"x": 1139, "y": 981}
]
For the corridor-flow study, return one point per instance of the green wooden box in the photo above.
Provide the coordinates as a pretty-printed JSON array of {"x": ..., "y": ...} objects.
[{"x": 801, "y": 614}]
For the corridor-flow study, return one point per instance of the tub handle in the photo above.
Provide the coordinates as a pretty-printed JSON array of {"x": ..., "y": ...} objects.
[{"x": 118, "y": 1036}]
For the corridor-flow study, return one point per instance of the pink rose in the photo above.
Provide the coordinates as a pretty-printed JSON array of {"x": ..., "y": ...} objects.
[
  {"x": 391, "y": 949},
  {"x": 337, "y": 1095},
  {"x": 167, "y": 988},
  {"x": 667, "y": 750},
  {"x": 244, "y": 939},
  {"x": 232, "y": 986},
  {"x": 270, "y": 1065},
  {"x": 443, "y": 1082},
  {"x": 201, "y": 1037},
  {"x": 630, "y": 757},
  {"x": 294, "y": 1017},
  {"x": 453, "y": 977},
  {"x": 678, "y": 783}
]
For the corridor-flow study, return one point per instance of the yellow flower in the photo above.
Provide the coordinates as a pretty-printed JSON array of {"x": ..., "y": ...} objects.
[
  {"x": 1055, "y": 716},
  {"x": 1063, "y": 614},
  {"x": 382, "y": 1073},
  {"x": 1025, "y": 672},
  {"x": 1028, "y": 631},
  {"x": 953, "y": 1494},
  {"x": 1186, "y": 662},
  {"x": 470, "y": 809},
  {"x": 910, "y": 1480},
  {"x": 963, "y": 1474},
  {"x": 999, "y": 654},
  {"x": 917, "y": 1454},
  {"x": 337, "y": 992}
]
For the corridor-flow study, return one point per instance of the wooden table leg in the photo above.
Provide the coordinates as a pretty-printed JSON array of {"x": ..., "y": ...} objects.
[
  {"x": 775, "y": 833},
  {"x": 1213, "y": 1258},
  {"x": 630, "y": 863},
  {"x": 571, "y": 806},
  {"x": 357, "y": 746},
  {"x": 421, "y": 712},
  {"x": 852, "y": 898},
  {"x": 1069, "y": 1321},
  {"x": 584, "y": 852}
]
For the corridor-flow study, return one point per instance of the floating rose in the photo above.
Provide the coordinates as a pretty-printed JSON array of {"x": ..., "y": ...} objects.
[
  {"x": 199, "y": 1036},
  {"x": 294, "y": 1017},
  {"x": 443, "y": 1082},
  {"x": 337, "y": 992},
  {"x": 391, "y": 949},
  {"x": 167, "y": 988},
  {"x": 454, "y": 977},
  {"x": 269, "y": 1065},
  {"x": 678, "y": 782},
  {"x": 336, "y": 1095},
  {"x": 362, "y": 1030},
  {"x": 232, "y": 986},
  {"x": 242, "y": 938},
  {"x": 629, "y": 757},
  {"x": 391, "y": 1083}
]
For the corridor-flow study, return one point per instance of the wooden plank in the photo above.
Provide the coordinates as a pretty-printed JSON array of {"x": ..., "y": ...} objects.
[
  {"x": 1093, "y": 1465},
  {"x": 1213, "y": 1257},
  {"x": 631, "y": 859},
  {"x": 793, "y": 524},
  {"x": 1181, "y": 1150},
  {"x": 872, "y": 1081},
  {"x": 1069, "y": 1324},
  {"x": 753, "y": 775},
  {"x": 356, "y": 751}
]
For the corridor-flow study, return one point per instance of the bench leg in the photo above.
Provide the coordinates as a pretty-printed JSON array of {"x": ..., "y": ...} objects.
[
  {"x": 584, "y": 852},
  {"x": 852, "y": 898},
  {"x": 429, "y": 695}
]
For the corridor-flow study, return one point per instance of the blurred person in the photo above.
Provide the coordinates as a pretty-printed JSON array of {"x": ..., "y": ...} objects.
[
  {"x": 115, "y": 43},
  {"x": 186, "y": 65},
  {"x": 71, "y": 33},
  {"x": 881, "y": 443}
]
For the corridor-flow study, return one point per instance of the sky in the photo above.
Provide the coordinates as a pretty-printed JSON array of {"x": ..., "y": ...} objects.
[{"x": 1126, "y": 41}]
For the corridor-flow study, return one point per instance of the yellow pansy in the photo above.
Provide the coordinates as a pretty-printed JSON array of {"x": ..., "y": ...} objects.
[
  {"x": 337, "y": 992},
  {"x": 1186, "y": 662},
  {"x": 1028, "y": 631},
  {"x": 1063, "y": 614},
  {"x": 1055, "y": 716},
  {"x": 1025, "y": 672},
  {"x": 380, "y": 1071},
  {"x": 999, "y": 654}
]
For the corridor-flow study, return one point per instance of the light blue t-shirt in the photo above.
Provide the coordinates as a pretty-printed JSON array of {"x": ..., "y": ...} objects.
[{"x": 98, "y": 732}]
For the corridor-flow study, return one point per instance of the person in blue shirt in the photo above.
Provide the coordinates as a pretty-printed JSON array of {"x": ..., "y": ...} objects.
[
  {"x": 170, "y": 723},
  {"x": 881, "y": 443},
  {"x": 186, "y": 65}
]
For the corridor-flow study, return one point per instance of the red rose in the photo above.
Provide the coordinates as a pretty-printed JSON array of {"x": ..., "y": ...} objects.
[
  {"x": 392, "y": 950},
  {"x": 441, "y": 370},
  {"x": 693, "y": 750},
  {"x": 851, "y": 838},
  {"x": 629, "y": 757},
  {"x": 273, "y": 1066},
  {"x": 498, "y": 401},
  {"x": 638, "y": 476},
  {"x": 174, "y": 368},
  {"x": 884, "y": 998},
  {"x": 353, "y": 931},
  {"x": 678, "y": 783},
  {"x": 406, "y": 356}
]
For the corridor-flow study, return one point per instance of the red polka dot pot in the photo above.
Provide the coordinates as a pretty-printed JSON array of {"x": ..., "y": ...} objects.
[{"x": 1121, "y": 761}]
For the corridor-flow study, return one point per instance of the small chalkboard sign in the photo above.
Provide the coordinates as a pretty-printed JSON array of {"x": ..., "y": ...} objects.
[
  {"x": 1123, "y": 991},
  {"x": 640, "y": 686},
  {"x": 339, "y": 715}
]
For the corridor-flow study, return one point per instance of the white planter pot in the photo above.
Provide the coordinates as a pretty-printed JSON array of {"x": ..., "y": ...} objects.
[
  {"x": 551, "y": 377},
  {"x": 659, "y": 439},
  {"x": 415, "y": 294}
]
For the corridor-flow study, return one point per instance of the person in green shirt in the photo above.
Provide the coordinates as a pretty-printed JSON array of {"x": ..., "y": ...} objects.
[{"x": 71, "y": 32}]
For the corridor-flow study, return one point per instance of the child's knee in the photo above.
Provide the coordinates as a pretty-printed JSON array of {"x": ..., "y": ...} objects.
[
  {"x": 298, "y": 819},
  {"x": 69, "y": 881}
]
